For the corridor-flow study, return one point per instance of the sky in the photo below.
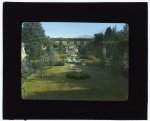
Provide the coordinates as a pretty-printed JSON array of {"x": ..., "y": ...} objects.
[{"x": 76, "y": 29}]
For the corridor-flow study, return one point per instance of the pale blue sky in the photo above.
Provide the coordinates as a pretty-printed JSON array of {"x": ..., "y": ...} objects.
[{"x": 75, "y": 29}]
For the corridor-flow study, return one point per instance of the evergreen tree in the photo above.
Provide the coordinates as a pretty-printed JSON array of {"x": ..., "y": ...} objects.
[
  {"x": 33, "y": 36},
  {"x": 125, "y": 31},
  {"x": 108, "y": 33},
  {"x": 99, "y": 36}
]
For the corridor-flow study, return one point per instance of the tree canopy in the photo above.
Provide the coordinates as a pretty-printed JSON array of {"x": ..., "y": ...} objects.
[{"x": 33, "y": 36}]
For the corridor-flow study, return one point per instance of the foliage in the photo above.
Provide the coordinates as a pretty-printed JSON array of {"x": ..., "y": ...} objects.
[
  {"x": 63, "y": 57},
  {"x": 91, "y": 57},
  {"x": 92, "y": 61},
  {"x": 116, "y": 44},
  {"x": 60, "y": 44},
  {"x": 50, "y": 64},
  {"x": 42, "y": 63},
  {"x": 83, "y": 51},
  {"x": 62, "y": 49},
  {"x": 48, "y": 43},
  {"x": 99, "y": 36},
  {"x": 41, "y": 68},
  {"x": 33, "y": 36},
  {"x": 108, "y": 33},
  {"x": 55, "y": 46},
  {"x": 125, "y": 31},
  {"x": 25, "y": 75},
  {"x": 119, "y": 49}
]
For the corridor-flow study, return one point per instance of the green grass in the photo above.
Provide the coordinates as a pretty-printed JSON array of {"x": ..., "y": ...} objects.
[{"x": 102, "y": 85}]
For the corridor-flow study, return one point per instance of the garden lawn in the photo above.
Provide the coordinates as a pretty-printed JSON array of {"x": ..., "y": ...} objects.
[{"x": 101, "y": 86}]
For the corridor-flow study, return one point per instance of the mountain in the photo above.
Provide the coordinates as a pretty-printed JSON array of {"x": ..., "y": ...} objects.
[{"x": 84, "y": 36}]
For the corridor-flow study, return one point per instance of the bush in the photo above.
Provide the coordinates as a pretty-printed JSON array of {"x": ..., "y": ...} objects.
[
  {"x": 83, "y": 51},
  {"x": 77, "y": 75},
  {"x": 91, "y": 57},
  {"x": 95, "y": 62},
  {"x": 63, "y": 57}
]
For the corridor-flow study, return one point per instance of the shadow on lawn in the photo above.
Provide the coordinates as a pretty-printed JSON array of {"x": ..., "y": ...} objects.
[
  {"x": 101, "y": 86},
  {"x": 93, "y": 82},
  {"x": 76, "y": 95}
]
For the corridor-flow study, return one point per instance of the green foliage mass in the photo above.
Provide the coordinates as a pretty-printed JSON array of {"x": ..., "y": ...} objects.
[
  {"x": 33, "y": 36},
  {"x": 108, "y": 33},
  {"x": 115, "y": 42}
]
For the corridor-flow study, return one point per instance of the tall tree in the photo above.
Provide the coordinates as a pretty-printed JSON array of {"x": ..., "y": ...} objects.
[
  {"x": 120, "y": 47},
  {"x": 60, "y": 44},
  {"x": 99, "y": 36},
  {"x": 33, "y": 36},
  {"x": 49, "y": 42},
  {"x": 108, "y": 33},
  {"x": 125, "y": 31}
]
